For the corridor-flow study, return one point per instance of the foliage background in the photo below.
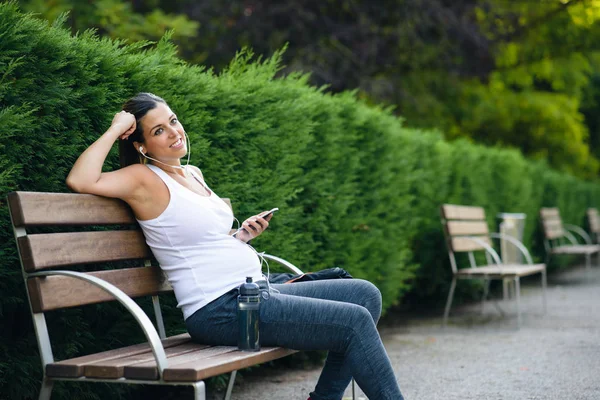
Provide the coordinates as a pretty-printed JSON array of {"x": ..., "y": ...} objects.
[
  {"x": 519, "y": 73},
  {"x": 356, "y": 187}
]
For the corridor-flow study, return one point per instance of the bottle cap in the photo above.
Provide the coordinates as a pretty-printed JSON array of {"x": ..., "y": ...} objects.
[{"x": 249, "y": 288}]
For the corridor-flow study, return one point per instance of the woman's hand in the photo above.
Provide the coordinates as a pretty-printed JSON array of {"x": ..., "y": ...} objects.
[
  {"x": 253, "y": 227},
  {"x": 123, "y": 124}
]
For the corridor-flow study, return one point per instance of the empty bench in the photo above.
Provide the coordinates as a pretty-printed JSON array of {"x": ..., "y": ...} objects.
[
  {"x": 466, "y": 231},
  {"x": 594, "y": 224},
  {"x": 162, "y": 360},
  {"x": 560, "y": 238}
]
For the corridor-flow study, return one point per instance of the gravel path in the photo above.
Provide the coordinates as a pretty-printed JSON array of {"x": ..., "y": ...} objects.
[{"x": 482, "y": 356}]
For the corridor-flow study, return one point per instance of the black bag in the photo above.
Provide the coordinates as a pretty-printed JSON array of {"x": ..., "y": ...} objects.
[{"x": 329, "y": 273}]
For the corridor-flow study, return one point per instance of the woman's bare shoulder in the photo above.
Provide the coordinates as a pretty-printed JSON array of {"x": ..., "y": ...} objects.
[
  {"x": 138, "y": 170},
  {"x": 136, "y": 180},
  {"x": 144, "y": 175}
]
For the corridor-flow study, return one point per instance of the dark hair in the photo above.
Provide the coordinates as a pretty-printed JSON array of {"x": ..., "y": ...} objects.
[{"x": 138, "y": 105}]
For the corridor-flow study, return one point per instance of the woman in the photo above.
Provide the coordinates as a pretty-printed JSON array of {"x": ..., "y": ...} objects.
[{"x": 187, "y": 227}]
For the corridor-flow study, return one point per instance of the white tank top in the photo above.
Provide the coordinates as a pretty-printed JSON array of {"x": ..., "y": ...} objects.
[{"x": 191, "y": 242}]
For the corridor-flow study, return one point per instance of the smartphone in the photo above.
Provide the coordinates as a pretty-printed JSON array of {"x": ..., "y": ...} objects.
[
  {"x": 263, "y": 215},
  {"x": 267, "y": 213}
]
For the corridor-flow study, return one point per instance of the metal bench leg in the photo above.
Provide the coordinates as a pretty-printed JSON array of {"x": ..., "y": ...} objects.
[
  {"x": 449, "y": 302},
  {"x": 486, "y": 290},
  {"x": 505, "y": 294},
  {"x": 46, "y": 389},
  {"x": 199, "y": 391},
  {"x": 588, "y": 262},
  {"x": 518, "y": 298},
  {"x": 230, "y": 385},
  {"x": 544, "y": 284}
]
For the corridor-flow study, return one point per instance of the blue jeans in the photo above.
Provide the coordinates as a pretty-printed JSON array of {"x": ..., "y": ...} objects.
[{"x": 338, "y": 315}]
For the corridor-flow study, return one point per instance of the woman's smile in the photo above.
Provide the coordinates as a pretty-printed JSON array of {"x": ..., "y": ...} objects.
[{"x": 178, "y": 144}]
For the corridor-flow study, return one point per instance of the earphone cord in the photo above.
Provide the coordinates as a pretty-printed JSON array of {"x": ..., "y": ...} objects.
[{"x": 262, "y": 261}]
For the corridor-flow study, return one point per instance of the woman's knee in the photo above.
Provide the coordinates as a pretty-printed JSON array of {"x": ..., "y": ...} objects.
[
  {"x": 360, "y": 322},
  {"x": 370, "y": 298}
]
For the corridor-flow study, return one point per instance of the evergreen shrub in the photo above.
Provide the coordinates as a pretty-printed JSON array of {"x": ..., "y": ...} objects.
[{"x": 355, "y": 188}]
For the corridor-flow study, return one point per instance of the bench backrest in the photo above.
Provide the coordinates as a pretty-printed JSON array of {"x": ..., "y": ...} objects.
[
  {"x": 593, "y": 221},
  {"x": 551, "y": 223},
  {"x": 110, "y": 234},
  {"x": 461, "y": 224},
  {"x": 80, "y": 229},
  {"x": 462, "y": 221}
]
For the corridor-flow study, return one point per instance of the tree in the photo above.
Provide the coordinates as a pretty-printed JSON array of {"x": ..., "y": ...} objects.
[
  {"x": 508, "y": 73},
  {"x": 115, "y": 19}
]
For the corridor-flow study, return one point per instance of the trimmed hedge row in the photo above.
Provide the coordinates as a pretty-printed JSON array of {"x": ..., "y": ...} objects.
[{"x": 356, "y": 189}]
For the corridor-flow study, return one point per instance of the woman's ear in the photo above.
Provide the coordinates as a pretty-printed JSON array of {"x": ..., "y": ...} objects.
[{"x": 139, "y": 147}]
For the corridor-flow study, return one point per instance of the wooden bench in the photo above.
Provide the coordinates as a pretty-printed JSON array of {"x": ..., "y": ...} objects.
[
  {"x": 594, "y": 224},
  {"x": 466, "y": 230},
  {"x": 163, "y": 361},
  {"x": 559, "y": 238}
]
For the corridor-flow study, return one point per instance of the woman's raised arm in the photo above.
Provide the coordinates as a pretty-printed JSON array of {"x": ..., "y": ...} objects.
[{"x": 86, "y": 176}]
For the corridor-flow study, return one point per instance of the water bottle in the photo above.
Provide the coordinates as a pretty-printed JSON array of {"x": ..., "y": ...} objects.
[{"x": 248, "y": 316}]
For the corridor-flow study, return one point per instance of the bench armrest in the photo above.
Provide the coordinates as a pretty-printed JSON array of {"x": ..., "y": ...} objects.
[
  {"x": 487, "y": 248},
  {"x": 131, "y": 306},
  {"x": 516, "y": 242},
  {"x": 283, "y": 262},
  {"x": 579, "y": 231}
]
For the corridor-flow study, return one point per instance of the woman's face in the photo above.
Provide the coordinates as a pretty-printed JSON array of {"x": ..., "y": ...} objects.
[{"x": 164, "y": 137}]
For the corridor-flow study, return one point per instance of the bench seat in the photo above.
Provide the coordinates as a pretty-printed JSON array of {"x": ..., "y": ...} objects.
[
  {"x": 502, "y": 271},
  {"x": 577, "y": 249},
  {"x": 188, "y": 361}
]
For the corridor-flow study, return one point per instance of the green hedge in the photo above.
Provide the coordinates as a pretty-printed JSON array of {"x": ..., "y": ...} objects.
[{"x": 356, "y": 189}]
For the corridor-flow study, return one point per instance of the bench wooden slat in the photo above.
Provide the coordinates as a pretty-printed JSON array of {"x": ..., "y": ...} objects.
[
  {"x": 223, "y": 363},
  {"x": 551, "y": 220},
  {"x": 552, "y": 223},
  {"x": 56, "y": 292},
  {"x": 451, "y": 211},
  {"x": 577, "y": 249},
  {"x": 593, "y": 220},
  {"x": 149, "y": 371},
  {"x": 74, "y": 367},
  {"x": 553, "y": 228},
  {"x": 465, "y": 244},
  {"x": 500, "y": 271},
  {"x": 554, "y": 234},
  {"x": 467, "y": 228},
  {"x": 114, "y": 369},
  {"x": 551, "y": 213},
  {"x": 64, "y": 209},
  {"x": 48, "y": 250}
]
